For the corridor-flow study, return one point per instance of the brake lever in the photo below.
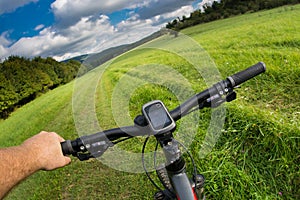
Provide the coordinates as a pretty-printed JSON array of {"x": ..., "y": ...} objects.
[
  {"x": 86, "y": 156},
  {"x": 231, "y": 96},
  {"x": 217, "y": 100},
  {"x": 92, "y": 150},
  {"x": 83, "y": 156}
]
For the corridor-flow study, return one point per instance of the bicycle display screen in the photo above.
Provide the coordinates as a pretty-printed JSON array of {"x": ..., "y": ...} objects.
[{"x": 158, "y": 117}]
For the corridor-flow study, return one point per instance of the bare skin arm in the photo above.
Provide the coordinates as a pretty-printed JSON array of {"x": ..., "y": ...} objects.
[{"x": 40, "y": 152}]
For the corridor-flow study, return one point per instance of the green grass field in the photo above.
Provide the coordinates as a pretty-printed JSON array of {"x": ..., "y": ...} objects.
[{"x": 256, "y": 157}]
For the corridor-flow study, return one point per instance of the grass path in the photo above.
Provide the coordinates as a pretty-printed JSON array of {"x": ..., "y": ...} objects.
[{"x": 258, "y": 154}]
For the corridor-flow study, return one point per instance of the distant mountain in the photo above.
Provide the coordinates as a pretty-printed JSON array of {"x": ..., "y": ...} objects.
[
  {"x": 93, "y": 60},
  {"x": 80, "y": 58}
]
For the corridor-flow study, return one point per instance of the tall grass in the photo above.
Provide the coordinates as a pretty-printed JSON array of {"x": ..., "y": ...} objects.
[{"x": 257, "y": 155}]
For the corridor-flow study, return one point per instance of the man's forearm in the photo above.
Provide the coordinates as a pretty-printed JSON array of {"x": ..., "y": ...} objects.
[
  {"x": 16, "y": 164},
  {"x": 40, "y": 152}
]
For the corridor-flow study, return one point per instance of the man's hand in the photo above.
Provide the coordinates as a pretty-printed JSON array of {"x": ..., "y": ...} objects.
[
  {"x": 42, "y": 151},
  {"x": 45, "y": 148}
]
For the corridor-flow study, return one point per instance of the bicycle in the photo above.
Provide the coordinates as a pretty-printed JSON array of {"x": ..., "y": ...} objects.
[{"x": 157, "y": 121}]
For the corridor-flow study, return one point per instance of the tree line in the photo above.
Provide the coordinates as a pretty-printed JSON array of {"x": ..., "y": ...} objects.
[
  {"x": 22, "y": 79},
  {"x": 225, "y": 9}
]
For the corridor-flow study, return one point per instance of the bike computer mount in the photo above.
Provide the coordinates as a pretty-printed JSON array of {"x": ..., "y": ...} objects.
[{"x": 158, "y": 117}]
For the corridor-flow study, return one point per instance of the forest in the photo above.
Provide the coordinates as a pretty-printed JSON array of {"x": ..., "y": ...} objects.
[
  {"x": 22, "y": 79},
  {"x": 225, "y": 9}
]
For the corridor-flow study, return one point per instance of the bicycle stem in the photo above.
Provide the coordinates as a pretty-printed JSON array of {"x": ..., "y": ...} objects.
[{"x": 176, "y": 166}]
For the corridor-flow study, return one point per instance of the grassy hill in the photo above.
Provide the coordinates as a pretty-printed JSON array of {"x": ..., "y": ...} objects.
[{"x": 256, "y": 157}]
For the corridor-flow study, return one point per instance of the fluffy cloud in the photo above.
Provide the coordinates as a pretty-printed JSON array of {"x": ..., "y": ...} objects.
[
  {"x": 99, "y": 35},
  {"x": 184, "y": 10},
  {"x": 69, "y": 12},
  {"x": 39, "y": 27},
  {"x": 158, "y": 7},
  {"x": 81, "y": 29},
  {"x": 205, "y": 3},
  {"x": 75, "y": 40},
  {"x": 9, "y": 6},
  {"x": 4, "y": 42},
  {"x": 3, "y": 39}
]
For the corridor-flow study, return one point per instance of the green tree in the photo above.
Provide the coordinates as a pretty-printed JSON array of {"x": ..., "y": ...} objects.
[{"x": 22, "y": 79}]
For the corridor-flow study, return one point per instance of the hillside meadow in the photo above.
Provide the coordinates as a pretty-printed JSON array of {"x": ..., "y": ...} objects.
[{"x": 257, "y": 156}]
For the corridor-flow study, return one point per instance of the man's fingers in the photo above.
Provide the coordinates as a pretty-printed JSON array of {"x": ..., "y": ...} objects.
[
  {"x": 60, "y": 139},
  {"x": 68, "y": 160}
]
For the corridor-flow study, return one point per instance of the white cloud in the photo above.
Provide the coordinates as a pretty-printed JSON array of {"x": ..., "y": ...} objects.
[
  {"x": 3, "y": 51},
  {"x": 68, "y": 12},
  {"x": 39, "y": 27},
  {"x": 184, "y": 10},
  {"x": 205, "y": 3},
  {"x": 4, "y": 43},
  {"x": 9, "y": 6},
  {"x": 97, "y": 39},
  {"x": 3, "y": 39},
  {"x": 90, "y": 32},
  {"x": 83, "y": 37},
  {"x": 159, "y": 7}
]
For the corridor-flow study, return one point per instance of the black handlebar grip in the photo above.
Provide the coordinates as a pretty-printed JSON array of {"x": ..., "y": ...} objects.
[
  {"x": 67, "y": 148},
  {"x": 247, "y": 74}
]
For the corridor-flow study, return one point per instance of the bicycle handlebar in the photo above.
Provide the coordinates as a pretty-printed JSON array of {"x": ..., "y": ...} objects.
[
  {"x": 222, "y": 86},
  {"x": 247, "y": 74},
  {"x": 97, "y": 143},
  {"x": 70, "y": 147}
]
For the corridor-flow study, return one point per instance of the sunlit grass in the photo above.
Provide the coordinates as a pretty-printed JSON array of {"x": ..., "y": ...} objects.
[{"x": 258, "y": 154}]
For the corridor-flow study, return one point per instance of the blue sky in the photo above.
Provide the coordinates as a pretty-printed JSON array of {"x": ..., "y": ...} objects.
[{"x": 65, "y": 28}]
